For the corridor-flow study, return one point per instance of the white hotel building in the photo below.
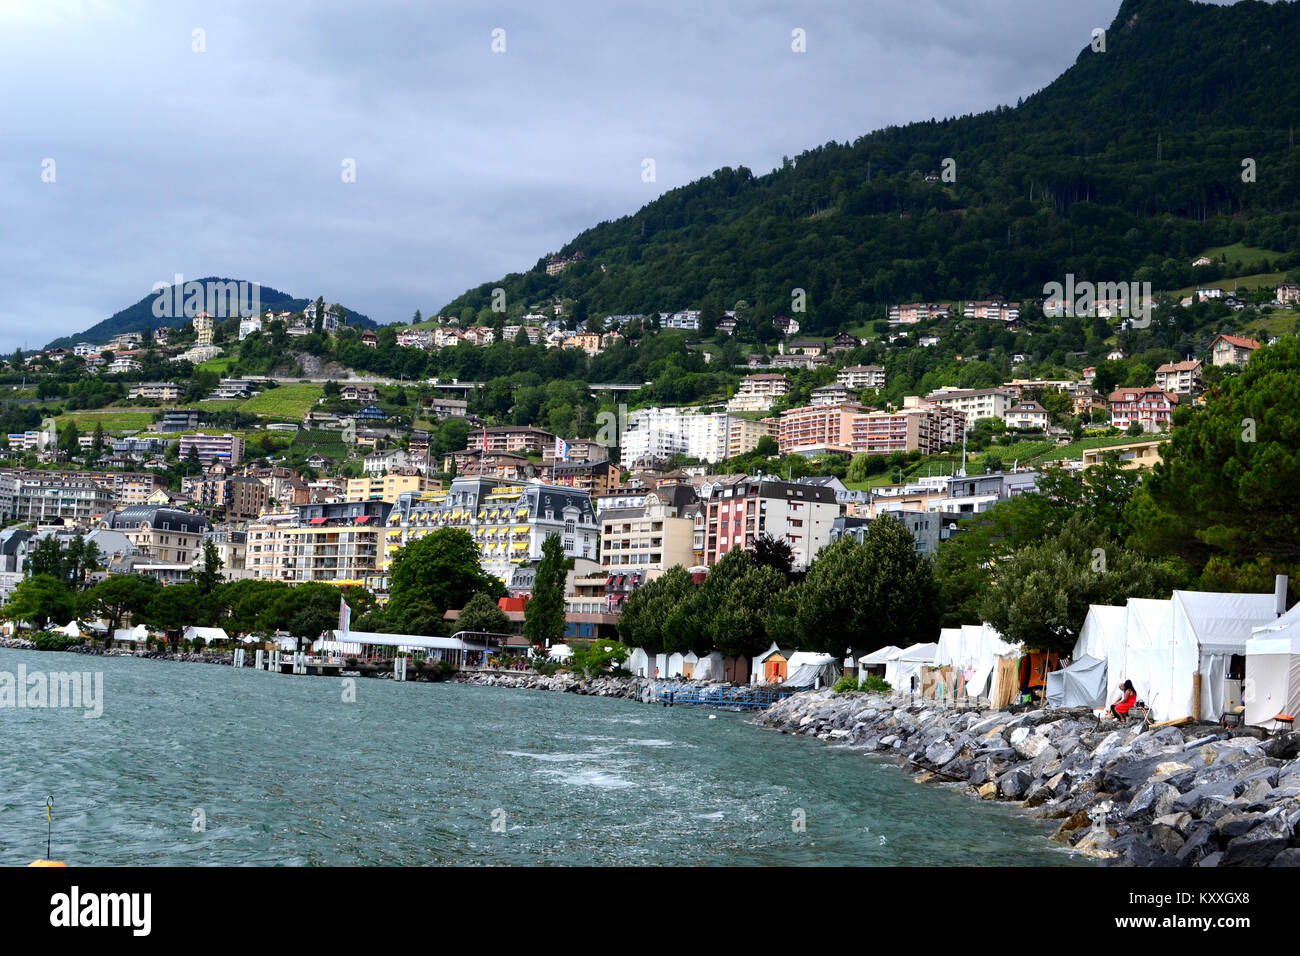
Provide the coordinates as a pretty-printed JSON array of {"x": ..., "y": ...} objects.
[{"x": 660, "y": 433}]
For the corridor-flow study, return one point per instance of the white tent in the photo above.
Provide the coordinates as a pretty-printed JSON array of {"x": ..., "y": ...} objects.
[
  {"x": 1104, "y": 636},
  {"x": 709, "y": 667},
  {"x": 71, "y": 629},
  {"x": 906, "y": 663},
  {"x": 806, "y": 669},
  {"x": 661, "y": 665},
  {"x": 675, "y": 662},
  {"x": 877, "y": 658},
  {"x": 1217, "y": 625},
  {"x": 560, "y": 652},
  {"x": 1273, "y": 671},
  {"x": 974, "y": 650},
  {"x": 138, "y": 633},
  {"x": 209, "y": 634},
  {"x": 639, "y": 663}
]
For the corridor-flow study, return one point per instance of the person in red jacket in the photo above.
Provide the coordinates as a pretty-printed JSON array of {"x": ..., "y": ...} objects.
[{"x": 1128, "y": 697}]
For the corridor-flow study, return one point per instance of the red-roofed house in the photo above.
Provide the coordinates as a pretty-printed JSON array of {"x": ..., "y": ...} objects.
[
  {"x": 1232, "y": 350},
  {"x": 1152, "y": 408}
]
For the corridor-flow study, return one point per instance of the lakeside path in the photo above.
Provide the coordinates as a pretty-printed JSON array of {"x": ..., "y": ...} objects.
[{"x": 1195, "y": 795}]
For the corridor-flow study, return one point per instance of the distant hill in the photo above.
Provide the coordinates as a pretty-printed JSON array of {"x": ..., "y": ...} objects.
[
  {"x": 1121, "y": 169},
  {"x": 140, "y": 316}
]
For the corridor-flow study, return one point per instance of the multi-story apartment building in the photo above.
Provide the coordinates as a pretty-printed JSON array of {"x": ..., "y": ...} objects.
[
  {"x": 232, "y": 551},
  {"x": 225, "y": 448},
  {"x": 337, "y": 543},
  {"x": 912, "y": 312},
  {"x": 919, "y": 427},
  {"x": 181, "y": 420},
  {"x": 734, "y": 514},
  {"x": 167, "y": 535},
  {"x": 1150, "y": 407},
  {"x": 1232, "y": 350},
  {"x": 140, "y": 448},
  {"x": 267, "y": 548},
  {"x": 509, "y": 522},
  {"x": 517, "y": 439},
  {"x": 976, "y": 403},
  {"x": 246, "y": 497},
  {"x": 1027, "y": 415},
  {"x": 758, "y": 393},
  {"x": 656, "y": 434},
  {"x": 203, "y": 329},
  {"x": 156, "y": 392},
  {"x": 834, "y": 394},
  {"x": 593, "y": 477},
  {"x": 744, "y": 435},
  {"x": 688, "y": 319},
  {"x": 638, "y": 544},
  {"x": 41, "y": 497},
  {"x": 1180, "y": 378},
  {"x": 389, "y": 487},
  {"x": 993, "y": 309},
  {"x": 814, "y": 429},
  {"x": 928, "y": 528}
]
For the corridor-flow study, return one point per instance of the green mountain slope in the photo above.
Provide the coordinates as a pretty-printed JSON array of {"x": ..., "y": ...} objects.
[
  {"x": 1122, "y": 169},
  {"x": 140, "y": 316}
]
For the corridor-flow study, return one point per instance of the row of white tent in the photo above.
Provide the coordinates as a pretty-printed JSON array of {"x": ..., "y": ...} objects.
[
  {"x": 1162, "y": 645},
  {"x": 803, "y": 668}
]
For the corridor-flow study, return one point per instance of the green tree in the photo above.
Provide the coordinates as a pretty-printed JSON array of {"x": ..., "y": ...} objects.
[
  {"x": 483, "y": 614},
  {"x": 1228, "y": 485},
  {"x": 40, "y": 600},
  {"x": 740, "y": 623},
  {"x": 598, "y": 657},
  {"x": 208, "y": 576},
  {"x": 431, "y": 575},
  {"x": 643, "y": 620},
  {"x": 544, "y": 613},
  {"x": 1040, "y": 595},
  {"x": 117, "y": 596},
  {"x": 97, "y": 444}
]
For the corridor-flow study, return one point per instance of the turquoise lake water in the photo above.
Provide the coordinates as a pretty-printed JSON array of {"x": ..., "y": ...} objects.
[{"x": 206, "y": 765}]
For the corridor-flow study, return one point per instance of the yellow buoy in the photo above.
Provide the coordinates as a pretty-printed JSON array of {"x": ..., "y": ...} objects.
[{"x": 45, "y": 863}]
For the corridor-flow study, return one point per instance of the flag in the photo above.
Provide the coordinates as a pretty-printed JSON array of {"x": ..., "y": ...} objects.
[
  {"x": 561, "y": 449},
  {"x": 345, "y": 618}
]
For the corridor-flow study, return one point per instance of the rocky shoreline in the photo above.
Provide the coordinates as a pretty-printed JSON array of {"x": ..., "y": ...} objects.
[
  {"x": 1195, "y": 795},
  {"x": 626, "y": 688}
]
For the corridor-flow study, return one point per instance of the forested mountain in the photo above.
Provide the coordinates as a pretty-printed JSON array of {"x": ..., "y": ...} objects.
[
  {"x": 1122, "y": 169},
  {"x": 140, "y": 316}
]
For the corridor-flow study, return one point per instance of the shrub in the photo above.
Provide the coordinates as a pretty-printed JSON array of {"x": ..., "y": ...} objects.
[
  {"x": 845, "y": 684},
  {"x": 875, "y": 685},
  {"x": 54, "y": 642}
]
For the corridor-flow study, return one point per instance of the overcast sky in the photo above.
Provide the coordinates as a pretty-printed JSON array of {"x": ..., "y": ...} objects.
[{"x": 468, "y": 163}]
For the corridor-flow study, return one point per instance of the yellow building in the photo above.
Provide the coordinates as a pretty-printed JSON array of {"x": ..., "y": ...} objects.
[
  {"x": 388, "y": 487},
  {"x": 1135, "y": 454}
]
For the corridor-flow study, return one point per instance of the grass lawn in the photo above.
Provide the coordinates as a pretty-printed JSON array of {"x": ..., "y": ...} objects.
[
  {"x": 290, "y": 402},
  {"x": 1282, "y": 322},
  {"x": 1260, "y": 279},
  {"x": 1248, "y": 256},
  {"x": 114, "y": 420},
  {"x": 221, "y": 364}
]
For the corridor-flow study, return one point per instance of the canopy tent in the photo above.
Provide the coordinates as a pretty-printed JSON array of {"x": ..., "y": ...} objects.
[
  {"x": 560, "y": 652},
  {"x": 876, "y": 660},
  {"x": 1219, "y": 625},
  {"x": 209, "y": 634},
  {"x": 906, "y": 663},
  {"x": 137, "y": 633},
  {"x": 709, "y": 667},
  {"x": 807, "y": 669},
  {"x": 71, "y": 629},
  {"x": 675, "y": 664},
  {"x": 639, "y": 663},
  {"x": 972, "y": 651},
  {"x": 1082, "y": 684},
  {"x": 1104, "y": 636},
  {"x": 1273, "y": 671}
]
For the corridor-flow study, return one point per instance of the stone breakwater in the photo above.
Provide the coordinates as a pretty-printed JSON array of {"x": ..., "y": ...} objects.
[
  {"x": 1174, "y": 796},
  {"x": 622, "y": 687}
]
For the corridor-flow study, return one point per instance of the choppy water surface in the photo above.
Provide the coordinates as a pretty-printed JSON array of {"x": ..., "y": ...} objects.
[{"x": 197, "y": 764}]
